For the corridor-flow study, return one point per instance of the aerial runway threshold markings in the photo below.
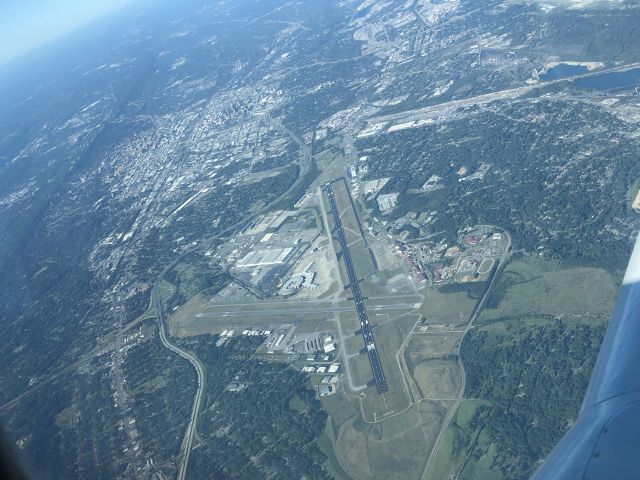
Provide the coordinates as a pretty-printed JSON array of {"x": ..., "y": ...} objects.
[{"x": 367, "y": 332}]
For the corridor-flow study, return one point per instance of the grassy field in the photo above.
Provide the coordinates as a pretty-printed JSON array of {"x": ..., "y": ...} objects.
[
  {"x": 362, "y": 261},
  {"x": 531, "y": 293},
  {"x": 349, "y": 321},
  {"x": 424, "y": 347},
  {"x": 392, "y": 449},
  {"x": 386, "y": 275},
  {"x": 531, "y": 286},
  {"x": 332, "y": 465},
  {"x": 354, "y": 344},
  {"x": 373, "y": 287},
  {"x": 166, "y": 290},
  {"x": 452, "y": 460},
  {"x": 447, "y": 308},
  {"x": 389, "y": 283},
  {"x": 333, "y": 289},
  {"x": 486, "y": 266},
  {"x": 438, "y": 378}
]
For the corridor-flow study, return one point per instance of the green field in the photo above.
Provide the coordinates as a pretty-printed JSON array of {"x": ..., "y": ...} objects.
[
  {"x": 361, "y": 258},
  {"x": 534, "y": 347},
  {"x": 423, "y": 347},
  {"x": 332, "y": 465},
  {"x": 530, "y": 286},
  {"x": 438, "y": 379},
  {"x": 452, "y": 459},
  {"x": 166, "y": 290},
  {"x": 395, "y": 448},
  {"x": 360, "y": 369},
  {"x": 453, "y": 308}
]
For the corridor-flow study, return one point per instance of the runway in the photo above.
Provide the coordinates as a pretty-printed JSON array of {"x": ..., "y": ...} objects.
[
  {"x": 308, "y": 310},
  {"x": 367, "y": 332}
]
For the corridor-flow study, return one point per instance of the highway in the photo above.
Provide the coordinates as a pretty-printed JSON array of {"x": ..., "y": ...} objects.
[
  {"x": 367, "y": 332},
  {"x": 185, "y": 449},
  {"x": 509, "y": 93}
]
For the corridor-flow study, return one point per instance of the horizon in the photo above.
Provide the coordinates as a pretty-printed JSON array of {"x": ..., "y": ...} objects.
[{"x": 25, "y": 26}]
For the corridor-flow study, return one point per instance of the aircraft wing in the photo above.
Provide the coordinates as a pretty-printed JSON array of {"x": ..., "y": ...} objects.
[{"x": 604, "y": 443}]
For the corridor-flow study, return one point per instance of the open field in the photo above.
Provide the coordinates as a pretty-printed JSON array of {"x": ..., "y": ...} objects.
[
  {"x": 528, "y": 299},
  {"x": 394, "y": 448},
  {"x": 534, "y": 287},
  {"x": 438, "y": 378},
  {"x": 166, "y": 290},
  {"x": 362, "y": 261},
  {"x": 399, "y": 281},
  {"x": 361, "y": 370},
  {"x": 430, "y": 346},
  {"x": 349, "y": 323},
  {"x": 432, "y": 370},
  {"x": 373, "y": 286},
  {"x": 390, "y": 313},
  {"x": 353, "y": 345},
  {"x": 447, "y": 308},
  {"x": 332, "y": 465},
  {"x": 451, "y": 460}
]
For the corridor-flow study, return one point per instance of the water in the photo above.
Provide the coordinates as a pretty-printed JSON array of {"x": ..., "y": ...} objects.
[
  {"x": 611, "y": 81},
  {"x": 563, "y": 70}
]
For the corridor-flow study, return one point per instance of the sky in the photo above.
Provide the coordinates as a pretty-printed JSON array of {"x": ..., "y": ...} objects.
[{"x": 28, "y": 24}]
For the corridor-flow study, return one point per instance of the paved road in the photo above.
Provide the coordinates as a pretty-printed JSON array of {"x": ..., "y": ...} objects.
[
  {"x": 185, "y": 449},
  {"x": 509, "y": 93},
  {"x": 367, "y": 332},
  {"x": 463, "y": 374}
]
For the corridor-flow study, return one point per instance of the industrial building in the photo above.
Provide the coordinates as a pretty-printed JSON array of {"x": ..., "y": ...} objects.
[{"x": 276, "y": 256}]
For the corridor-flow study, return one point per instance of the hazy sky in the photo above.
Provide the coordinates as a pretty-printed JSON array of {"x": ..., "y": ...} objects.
[{"x": 26, "y": 24}]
